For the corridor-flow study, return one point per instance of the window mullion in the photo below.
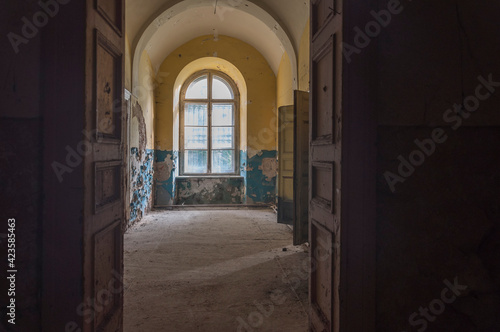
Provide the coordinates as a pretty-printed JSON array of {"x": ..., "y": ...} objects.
[
  {"x": 209, "y": 129},
  {"x": 210, "y": 102},
  {"x": 183, "y": 138}
]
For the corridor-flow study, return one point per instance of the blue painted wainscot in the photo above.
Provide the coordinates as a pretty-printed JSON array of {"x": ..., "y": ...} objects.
[
  {"x": 165, "y": 170},
  {"x": 256, "y": 183},
  {"x": 141, "y": 186},
  {"x": 261, "y": 173}
]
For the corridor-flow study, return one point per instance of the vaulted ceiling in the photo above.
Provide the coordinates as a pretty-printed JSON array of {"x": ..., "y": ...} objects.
[{"x": 271, "y": 26}]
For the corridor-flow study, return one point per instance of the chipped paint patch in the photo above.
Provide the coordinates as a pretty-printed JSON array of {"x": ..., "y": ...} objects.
[
  {"x": 165, "y": 168},
  {"x": 208, "y": 190},
  {"x": 269, "y": 168},
  {"x": 141, "y": 165},
  {"x": 253, "y": 152},
  {"x": 261, "y": 177}
]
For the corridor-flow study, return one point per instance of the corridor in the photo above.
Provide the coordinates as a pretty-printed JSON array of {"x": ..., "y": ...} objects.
[{"x": 214, "y": 270}]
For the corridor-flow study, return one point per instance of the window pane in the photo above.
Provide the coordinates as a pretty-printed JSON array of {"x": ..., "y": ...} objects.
[
  {"x": 222, "y": 161},
  {"x": 222, "y": 115},
  {"x": 195, "y": 161},
  {"x": 221, "y": 89},
  {"x": 195, "y": 114},
  {"x": 222, "y": 137},
  {"x": 198, "y": 89},
  {"x": 196, "y": 138}
]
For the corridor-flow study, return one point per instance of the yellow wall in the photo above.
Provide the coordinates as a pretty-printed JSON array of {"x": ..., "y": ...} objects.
[
  {"x": 285, "y": 82},
  {"x": 303, "y": 60},
  {"x": 285, "y": 98},
  {"x": 258, "y": 75},
  {"x": 145, "y": 97},
  {"x": 285, "y": 77}
]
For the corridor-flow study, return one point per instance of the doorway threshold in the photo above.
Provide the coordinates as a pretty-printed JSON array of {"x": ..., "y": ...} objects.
[{"x": 214, "y": 207}]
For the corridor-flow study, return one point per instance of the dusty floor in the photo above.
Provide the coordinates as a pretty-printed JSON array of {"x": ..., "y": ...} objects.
[{"x": 215, "y": 270}]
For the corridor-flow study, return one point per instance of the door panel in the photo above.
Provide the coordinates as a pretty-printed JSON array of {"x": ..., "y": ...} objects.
[
  {"x": 325, "y": 164},
  {"x": 107, "y": 245},
  {"x": 285, "y": 159},
  {"x": 301, "y": 168},
  {"x": 321, "y": 278},
  {"x": 321, "y": 12},
  {"x": 108, "y": 77},
  {"x": 111, "y": 11},
  {"x": 323, "y": 71},
  {"x": 107, "y": 184},
  {"x": 322, "y": 185},
  {"x": 104, "y": 174}
]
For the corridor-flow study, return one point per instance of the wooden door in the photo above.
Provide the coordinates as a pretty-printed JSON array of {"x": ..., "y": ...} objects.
[
  {"x": 285, "y": 160},
  {"x": 301, "y": 168},
  {"x": 104, "y": 175},
  {"x": 325, "y": 164},
  {"x": 84, "y": 157},
  {"x": 342, "y": 177}
]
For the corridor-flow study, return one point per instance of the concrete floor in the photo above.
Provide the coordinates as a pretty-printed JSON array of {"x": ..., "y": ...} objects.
[{"x": 214, "y": 270}]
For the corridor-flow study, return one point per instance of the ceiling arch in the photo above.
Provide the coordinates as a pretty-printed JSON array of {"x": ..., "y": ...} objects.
[{"x": 185, "y": 20}]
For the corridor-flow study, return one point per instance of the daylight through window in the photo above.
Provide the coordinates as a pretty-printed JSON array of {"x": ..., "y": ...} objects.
[{"x": 209, "y": 125}]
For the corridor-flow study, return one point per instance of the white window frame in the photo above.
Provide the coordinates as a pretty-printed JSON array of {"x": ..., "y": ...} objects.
[{"x": 235, "y": 101}]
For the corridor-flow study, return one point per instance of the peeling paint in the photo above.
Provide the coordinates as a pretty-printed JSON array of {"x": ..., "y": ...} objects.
[
  {"x": 261, "y": 177},
  {"x": 255, "y": 185},
  {"x": 208, "y": 190},
  {"x": 165, "y": 168},
  {"x": 143, "y": 140},
  {"x": 141, "y": 183},
  {"x": 269, "y": 168}
]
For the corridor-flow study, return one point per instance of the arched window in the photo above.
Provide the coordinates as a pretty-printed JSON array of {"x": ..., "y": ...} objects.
[{"x": 209, "y": 125}]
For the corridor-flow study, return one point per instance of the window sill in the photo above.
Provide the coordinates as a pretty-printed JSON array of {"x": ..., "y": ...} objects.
[{"x": 221, "y": 176}]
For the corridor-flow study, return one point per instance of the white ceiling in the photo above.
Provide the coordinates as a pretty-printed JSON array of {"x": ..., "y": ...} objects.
[
  {"x": 292, "y": 13},
  {"x": 202, "y": 21},
  {"x": 271, "y": 26}
]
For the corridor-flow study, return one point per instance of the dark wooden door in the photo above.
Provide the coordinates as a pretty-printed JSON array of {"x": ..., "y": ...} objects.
[
  {"x": 325, "y": 163},
  {"x": 104, "y": 175},
  {"x": 285, "y": 160},
  {"x": 84, "y": 178},
  {"x": 301, "y": 168}
]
